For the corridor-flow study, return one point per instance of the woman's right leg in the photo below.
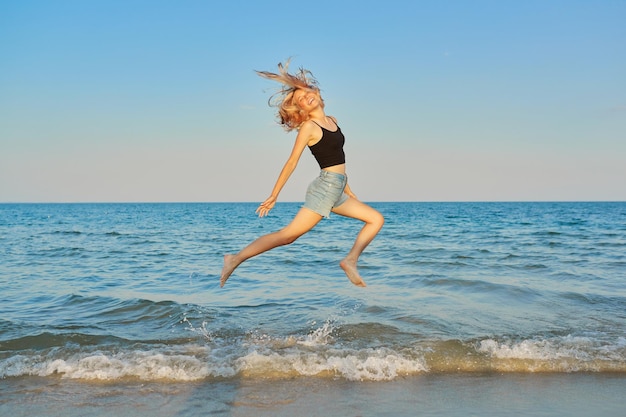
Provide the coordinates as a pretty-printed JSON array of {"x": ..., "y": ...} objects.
[
  {"x": 373, "y": 223},
  {"x": 304, "y": 221}
]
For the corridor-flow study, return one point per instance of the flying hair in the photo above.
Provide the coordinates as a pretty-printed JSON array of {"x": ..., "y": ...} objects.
[{"x": 290, "y": 116}]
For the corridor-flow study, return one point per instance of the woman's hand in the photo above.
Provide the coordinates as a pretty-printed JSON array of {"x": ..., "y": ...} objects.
[
  {"x": 349, "y": 192},
  {"x": 265, "y": 207}
]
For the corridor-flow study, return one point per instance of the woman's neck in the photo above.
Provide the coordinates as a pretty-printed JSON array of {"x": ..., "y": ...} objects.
[{"x": 317, "y": 114}]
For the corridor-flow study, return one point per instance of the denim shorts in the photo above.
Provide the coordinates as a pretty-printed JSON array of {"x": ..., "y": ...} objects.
[{"x": 326, "y": 192}]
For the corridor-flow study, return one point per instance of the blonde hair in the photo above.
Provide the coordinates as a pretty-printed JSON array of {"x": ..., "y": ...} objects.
[{"x": 289, "y": 114}]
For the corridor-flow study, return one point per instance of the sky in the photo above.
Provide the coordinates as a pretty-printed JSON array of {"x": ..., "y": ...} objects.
[{"x": 158, "y": 101}]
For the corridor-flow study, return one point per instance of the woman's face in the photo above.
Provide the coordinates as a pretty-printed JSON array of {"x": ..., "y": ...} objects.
[{"x": 307, "y": 100}]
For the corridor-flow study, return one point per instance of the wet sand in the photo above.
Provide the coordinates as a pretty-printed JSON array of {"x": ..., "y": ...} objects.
[{"x": 425, "y": 395}]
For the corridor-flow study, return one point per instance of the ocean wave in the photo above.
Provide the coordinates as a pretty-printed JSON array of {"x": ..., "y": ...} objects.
[
  {"x": 200, "y": 362},
  {"x": 566, "y": 354},
  {"x": 317, "y": 354}
]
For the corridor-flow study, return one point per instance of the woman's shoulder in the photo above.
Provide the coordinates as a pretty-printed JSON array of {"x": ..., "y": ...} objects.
[
  {"x": 308, "y": 126},
  {"x": 310, "y": 132}
]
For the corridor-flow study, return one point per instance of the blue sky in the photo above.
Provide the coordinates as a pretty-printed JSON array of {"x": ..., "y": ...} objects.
[{"x": 439, "y": 101}]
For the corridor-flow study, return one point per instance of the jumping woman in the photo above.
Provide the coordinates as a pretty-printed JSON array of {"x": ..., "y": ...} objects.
[{"x": 300, "y": 107}]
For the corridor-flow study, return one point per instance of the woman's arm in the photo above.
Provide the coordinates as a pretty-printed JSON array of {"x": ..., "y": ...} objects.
[{"x": 305, "y": 134}]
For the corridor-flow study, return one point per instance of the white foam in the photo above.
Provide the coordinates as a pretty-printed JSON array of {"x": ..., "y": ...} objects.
[
  {"x": 581, "y": 348},
  {"x": 197, "y": 362},
  {"x": 320, "y": 336},
  {"x": 315, "y": 354},
  {"x": 527, "y": 349},
  {"x": 142, "y": 365},
  {"x": 362, "y": 365},
  {"x": 562, "y": 354}
]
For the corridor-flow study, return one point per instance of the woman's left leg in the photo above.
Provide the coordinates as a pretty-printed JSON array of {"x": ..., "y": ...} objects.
[
  {"x": 373, "y": 223},
  {"x": 304, "y": 221}
]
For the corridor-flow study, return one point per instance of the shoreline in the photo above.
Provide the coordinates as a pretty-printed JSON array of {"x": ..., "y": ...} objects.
[{"x": 551, "y": 394}]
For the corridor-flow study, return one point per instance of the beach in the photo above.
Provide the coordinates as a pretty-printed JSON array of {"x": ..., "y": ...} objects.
[{"x": 428, "y": 395}]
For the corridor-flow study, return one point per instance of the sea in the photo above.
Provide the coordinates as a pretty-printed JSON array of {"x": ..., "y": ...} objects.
[{"x": 482, "y": 309}]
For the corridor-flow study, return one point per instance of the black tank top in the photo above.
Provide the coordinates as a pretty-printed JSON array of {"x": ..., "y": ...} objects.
[{"x": 328, "y": 151}]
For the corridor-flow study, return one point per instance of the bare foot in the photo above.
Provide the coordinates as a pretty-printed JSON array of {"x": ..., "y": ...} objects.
[
  {"x": 352, "y": 272},
  {"x": 230, "y": 263}
]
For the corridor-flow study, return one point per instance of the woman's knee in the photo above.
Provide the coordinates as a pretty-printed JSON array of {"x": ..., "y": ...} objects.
[
  {"x": 287, "y": 237},
  {"x": 377, "y": 219},
  {"x": 288, "y": 240}
]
